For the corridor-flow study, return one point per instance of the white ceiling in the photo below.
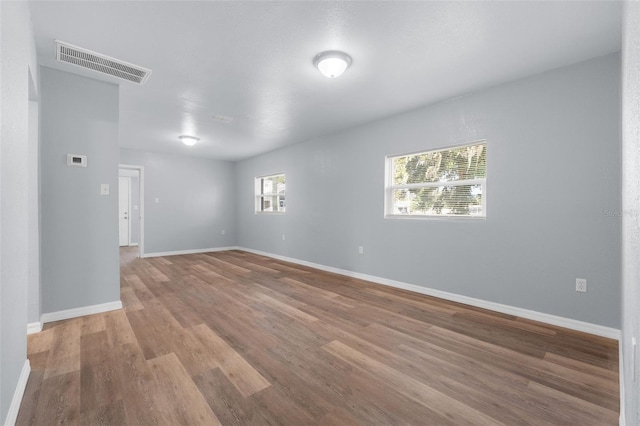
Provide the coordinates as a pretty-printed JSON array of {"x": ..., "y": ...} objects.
[{"x": 253, "y": 60}]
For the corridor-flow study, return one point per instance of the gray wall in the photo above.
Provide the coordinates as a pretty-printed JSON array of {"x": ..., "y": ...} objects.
[
  {"x": 80, "y": 261},
  {"x": 18, "y": 70},
  {"x": 553, "y": 197},
  {"x": 33, "y": 291},
  {"x": 196, "y": 201},
  {"x": 631, "y": 208}
]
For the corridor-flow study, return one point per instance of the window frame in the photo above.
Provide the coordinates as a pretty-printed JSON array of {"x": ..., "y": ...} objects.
[
  {"x": 389, "y": 187},
  {"x": 259, "y": 195}
]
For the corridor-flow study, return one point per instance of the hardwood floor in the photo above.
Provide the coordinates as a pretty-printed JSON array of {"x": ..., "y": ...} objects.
[{"x": 234, "y": 338}]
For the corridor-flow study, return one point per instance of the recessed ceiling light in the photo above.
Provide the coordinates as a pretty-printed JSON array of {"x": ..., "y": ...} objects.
[
  {"x": 188, "y": 140},
  {"x": 332, "y": 63}
]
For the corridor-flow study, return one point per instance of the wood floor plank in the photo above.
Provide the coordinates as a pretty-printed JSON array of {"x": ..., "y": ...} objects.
[
  {"x": 403, "y": 299},
  {"x": 181, "y": 402},
  {"x": 181, "y": 309},
  {"x": 59, "y": 400},
  {"x": 575, "y": 410},
  {"x": 100, "y": 381},
  {"x": 139, "y": 386},
  {"x": 130, "y": 301},
  {"x": 408, "y": 386},
  {"x": 119, "y": 329},
  {"x": 64, "y": 354},
  {"x": 106, "y": 415},
  {"x": 497, "y": 395},
  {"x": 140, "y": 290},
  {"x": 286, "y": 309},
  {"x": 240, "y": 339},
  {"x": 208, "y": 271},
  {"x": 40, "y": 342},
  {"x": 227, "y": 402},
  {"x": 583, "y": 367},
  {"x": 533, "y": 363},
  {"x": 157, "y": 275},
  {"x": 239, "y": 372},
  {"x": 92, "y": 324},
  {"x": 342, "y": 387},
  {"x": 31, "y": 395}
]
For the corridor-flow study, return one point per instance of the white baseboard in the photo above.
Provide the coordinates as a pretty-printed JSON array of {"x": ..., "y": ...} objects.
[
  {"x": 598, "y": 330},
  {"x": 34, "y": 327},
  {"x": 14, "y": 408},
  {"x": 79, "y": 312},
  {"x": 133, "y": 245},
  {"x": 194, "y": 251}
]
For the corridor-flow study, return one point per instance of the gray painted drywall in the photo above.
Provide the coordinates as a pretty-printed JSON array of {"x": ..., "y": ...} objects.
[
  {"x": 33, "y": 291},
  {"x": 553, "y": 197},
  {"x": 196, "y": 201},
  {"x": 80, "y": 260},
  {"x": 631, "y": 209},
  {"x": 17, "y": 50}
]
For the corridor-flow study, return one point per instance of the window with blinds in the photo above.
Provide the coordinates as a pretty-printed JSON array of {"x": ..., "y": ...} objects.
[
  {"x": 450, "y": 182},
  {"x": 270, "y": 194}
]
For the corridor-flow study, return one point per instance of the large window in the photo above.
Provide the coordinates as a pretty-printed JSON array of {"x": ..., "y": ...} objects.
[
  {"x": 270, "y": 194},
  {"x": 450, "y": 182}
]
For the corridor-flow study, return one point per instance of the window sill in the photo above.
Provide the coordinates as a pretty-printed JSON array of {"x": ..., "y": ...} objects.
[{"x": 451, "y": 218}]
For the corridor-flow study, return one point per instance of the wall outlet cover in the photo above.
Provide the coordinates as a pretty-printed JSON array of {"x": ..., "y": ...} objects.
[{"x": 581, "y": 285}]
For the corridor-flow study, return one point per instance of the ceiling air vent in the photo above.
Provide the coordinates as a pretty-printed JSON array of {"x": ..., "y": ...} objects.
[{"x": 104, "y": 64}]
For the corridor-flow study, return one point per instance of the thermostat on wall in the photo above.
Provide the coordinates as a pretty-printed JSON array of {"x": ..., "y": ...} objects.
[{"x": 76, "y": 160}]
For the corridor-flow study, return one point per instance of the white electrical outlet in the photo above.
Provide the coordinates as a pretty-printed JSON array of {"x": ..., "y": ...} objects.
[
  {"x": 222, "y": 232},
  {"x": 360, "y": 250},
  {"x": 581, "y": 285},
  {"x": 283, "y": 237}
]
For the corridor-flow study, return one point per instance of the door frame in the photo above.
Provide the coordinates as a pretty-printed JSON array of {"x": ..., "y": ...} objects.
[{"x": 140, "y": 170}]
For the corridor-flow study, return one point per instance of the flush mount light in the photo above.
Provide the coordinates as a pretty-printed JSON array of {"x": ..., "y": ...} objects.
[
  {"x": 332, "y": 63},
  {"x": 188, "y": 140}
]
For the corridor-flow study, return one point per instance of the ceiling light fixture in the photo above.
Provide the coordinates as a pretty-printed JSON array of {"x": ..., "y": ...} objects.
[
  {"x": 332, "y": 63},
  {"x": 188, "y": 140}
]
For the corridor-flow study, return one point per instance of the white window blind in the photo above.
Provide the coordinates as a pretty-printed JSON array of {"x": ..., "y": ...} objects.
[{"x": 448, "y": 182}]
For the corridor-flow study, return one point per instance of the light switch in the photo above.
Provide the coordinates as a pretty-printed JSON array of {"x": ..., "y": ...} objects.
[
  {"x": 104, "y": 189},
  {"x": 157, "y": 200}
]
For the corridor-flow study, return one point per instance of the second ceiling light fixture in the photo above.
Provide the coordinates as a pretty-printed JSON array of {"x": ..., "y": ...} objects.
[{"x": 332, "y": 63}]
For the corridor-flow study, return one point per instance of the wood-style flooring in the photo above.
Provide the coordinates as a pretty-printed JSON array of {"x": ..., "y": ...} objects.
[{"x": 239, "y": 339}]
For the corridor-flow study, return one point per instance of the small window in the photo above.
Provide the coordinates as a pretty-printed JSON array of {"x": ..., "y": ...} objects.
[
  {"x": 449, "y": 182},
  {"x": 270, "y": 194}
]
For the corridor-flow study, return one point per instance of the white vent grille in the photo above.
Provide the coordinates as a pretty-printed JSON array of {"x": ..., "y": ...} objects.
[{"x": 104, "y": 64}]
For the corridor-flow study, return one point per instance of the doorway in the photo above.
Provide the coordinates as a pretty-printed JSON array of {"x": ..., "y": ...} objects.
[{"x": 131, "y": 207}]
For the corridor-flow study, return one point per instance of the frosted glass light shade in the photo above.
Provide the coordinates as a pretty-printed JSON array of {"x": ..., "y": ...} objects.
[
  {"x": 332, "y": 63},
  {"x": 188, "y": 140}
]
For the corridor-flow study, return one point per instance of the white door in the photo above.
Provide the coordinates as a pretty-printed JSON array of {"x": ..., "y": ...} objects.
[{"x": 124, "y": 197}]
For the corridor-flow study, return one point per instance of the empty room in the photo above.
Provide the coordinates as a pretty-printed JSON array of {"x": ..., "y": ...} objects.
[{"x": 319, "y": 212}]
